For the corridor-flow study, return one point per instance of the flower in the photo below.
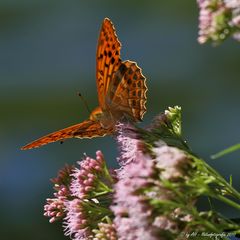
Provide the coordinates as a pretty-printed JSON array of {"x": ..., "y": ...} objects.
[
  {"x": 139, "y": 192},
  {"x": 127, "y": 143},
  {"x": 131, "y": 213},
  {"x": 172, "y": 162},
  {"x": 218, "y": 19},
  {"x": 91, "y": 179},
  {"x": 62, "y": 181},
  {"x": 76, "y": 223},
  {"x": 213, "y": 20},
  {"x": 82, "y": 199},
  {"x": 54, "y": 209},
  {"x": 144, "y": 203},
  {"x": 105, "y": 231}
]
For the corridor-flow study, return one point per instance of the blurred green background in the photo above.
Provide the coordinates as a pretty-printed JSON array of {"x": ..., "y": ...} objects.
[{"x": 47, "y": 55}]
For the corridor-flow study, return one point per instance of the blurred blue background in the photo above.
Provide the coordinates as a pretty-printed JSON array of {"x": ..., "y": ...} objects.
[{"x": 48, "y": 54}]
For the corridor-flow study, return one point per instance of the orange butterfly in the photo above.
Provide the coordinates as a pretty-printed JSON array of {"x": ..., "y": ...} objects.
[{"x": 121, "y": 93}]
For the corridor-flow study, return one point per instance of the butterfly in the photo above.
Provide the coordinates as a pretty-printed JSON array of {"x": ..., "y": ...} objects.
[{"x": 121, "y": 89}]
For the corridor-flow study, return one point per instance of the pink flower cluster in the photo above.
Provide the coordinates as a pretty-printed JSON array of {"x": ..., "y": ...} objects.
[
  {"x": 76, "y": 222},
  {"x": 172, "y": 162},
  {"x": 82, "y": 199},
  {"x": 127, "y": 143},
  {"x": 132, "y": 213},
  {"x": 85, "y": 182},
  {"x": 105, "y": 231},
  {"x": 140, "y": 188},
  {"x": 54, "y": 208},
  {"x": 218, "y": 19}
]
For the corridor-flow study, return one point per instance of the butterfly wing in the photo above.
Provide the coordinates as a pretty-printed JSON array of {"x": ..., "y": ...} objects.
[
  {"x": 107, "y": 59},
  {"x": 121, "y": 90},
  {"x": 86, "y": 129},
  {"x": 127, "y": 91}
]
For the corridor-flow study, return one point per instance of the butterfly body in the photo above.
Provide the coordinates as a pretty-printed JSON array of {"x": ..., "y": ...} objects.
[
  {"x": 121, "y": 93},
  {"x": 105, "y": 118}
]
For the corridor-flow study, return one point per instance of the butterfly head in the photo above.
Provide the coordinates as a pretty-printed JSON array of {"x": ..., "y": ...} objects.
[{"x": 96, "y": 114}]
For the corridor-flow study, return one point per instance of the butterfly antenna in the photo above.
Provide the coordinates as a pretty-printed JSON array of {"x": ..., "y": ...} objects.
[{"x": 84, "y": 102}]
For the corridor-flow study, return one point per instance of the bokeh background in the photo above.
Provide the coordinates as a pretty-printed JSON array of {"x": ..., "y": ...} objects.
[{"x": 47, "y": 55}]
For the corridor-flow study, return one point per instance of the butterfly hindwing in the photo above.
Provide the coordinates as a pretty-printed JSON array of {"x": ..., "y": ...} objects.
[
  {"x": 127, "y": 91},
  {"x": 107, "y": 59}
]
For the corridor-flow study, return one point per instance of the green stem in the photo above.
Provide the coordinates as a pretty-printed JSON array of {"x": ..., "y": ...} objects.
[
  {"x": 107, "y": 174},
  {"x": 202, "y": 221},
  {"x": 219, "y": 179},
  {"x": 227, "y": 201},
  {"x": 97, "y": 194},
  {"x": 233, "y": 191},
  {"x": 103, "y": 186},
  {"x": 93, "y": 207}
]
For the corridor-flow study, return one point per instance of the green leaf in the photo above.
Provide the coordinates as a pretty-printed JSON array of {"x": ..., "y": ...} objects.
[
  {"x": 230, "y": 180},
  {"x": 226, "y": 151}
]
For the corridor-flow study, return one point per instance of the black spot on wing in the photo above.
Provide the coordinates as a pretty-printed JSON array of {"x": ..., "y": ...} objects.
[
  {"x": 112, "y": 60},
  {"x": 129, "y": 81},
  {"x": 100, "y": 56},
  {"x": 122, "y": 69}
]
